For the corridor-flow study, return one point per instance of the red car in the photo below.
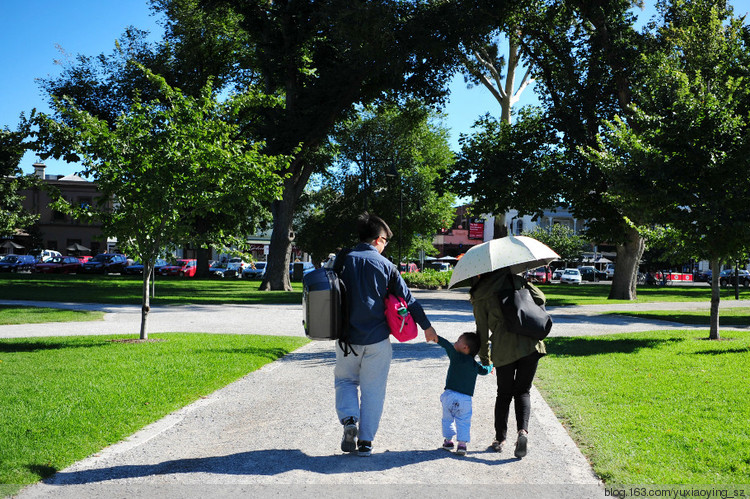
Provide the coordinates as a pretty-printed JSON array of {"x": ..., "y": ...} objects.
[
  {"x": 542, "y": 275},
  {"x": 59, "y": 265},
  {"x": 185, "y": 267}
]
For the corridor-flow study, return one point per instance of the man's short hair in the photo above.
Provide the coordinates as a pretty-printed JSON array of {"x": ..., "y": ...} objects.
[
  {"x": 370, "y": 227},
  {"x": 472, "y": 339}
]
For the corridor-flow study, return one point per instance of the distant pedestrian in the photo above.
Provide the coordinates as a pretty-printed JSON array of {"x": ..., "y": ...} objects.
[
  {"x": 514, "y": 356},
  {"x": 361, "y": 375},
  {"x": 459, "y": 389}
]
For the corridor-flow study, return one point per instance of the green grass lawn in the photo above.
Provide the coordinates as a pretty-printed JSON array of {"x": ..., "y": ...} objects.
[
  {"x": 734, "y": 316},
  {"x": 35, "y": 315},
  {"x": 119, "y": 289},
  {"x": 65, "y": 398},
  {"x": 595, "y": 294},
  {"x": 657, "y": 407}
]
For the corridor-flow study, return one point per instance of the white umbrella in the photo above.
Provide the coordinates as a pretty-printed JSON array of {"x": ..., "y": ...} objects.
[{"x": 515, "y": 253}]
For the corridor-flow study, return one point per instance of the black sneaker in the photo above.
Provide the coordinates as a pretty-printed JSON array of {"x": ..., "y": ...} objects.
[
  {"x": 365, "y": 448},
  {"x": 521, "y": 445},
  {"x": 348, "y": 441}
]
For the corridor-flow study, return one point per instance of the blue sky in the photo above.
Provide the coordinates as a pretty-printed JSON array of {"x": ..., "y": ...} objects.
[{"x": 32, "y": 32}]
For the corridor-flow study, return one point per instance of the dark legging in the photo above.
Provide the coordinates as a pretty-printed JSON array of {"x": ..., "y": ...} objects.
[{"x": 514, "y": 383}]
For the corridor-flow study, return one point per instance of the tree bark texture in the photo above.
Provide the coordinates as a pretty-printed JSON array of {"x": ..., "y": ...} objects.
[
  {"x": 280, "y": 248},
  {"x": 626, "y": 274}
]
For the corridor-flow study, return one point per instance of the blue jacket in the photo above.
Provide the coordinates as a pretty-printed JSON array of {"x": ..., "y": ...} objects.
[
  {"x": 366, "y": 274},
  {"x": 463, "y": 369}
]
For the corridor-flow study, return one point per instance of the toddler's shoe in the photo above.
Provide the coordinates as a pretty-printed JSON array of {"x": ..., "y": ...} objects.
[
  {"x": 461, "y": 450},
  {"x": 497, "y": 445},
  {"x": 448, "y": 445}
]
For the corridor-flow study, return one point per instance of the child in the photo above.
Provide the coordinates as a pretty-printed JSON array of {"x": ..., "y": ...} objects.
[{"x": 459, "y": 388}]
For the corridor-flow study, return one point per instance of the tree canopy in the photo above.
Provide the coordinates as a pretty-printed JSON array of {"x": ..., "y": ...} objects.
[
  {"x": 682, "y": 156},
  {"x": 165, "y": 166},
  {"x": 389, "y": 158},
  {"x": 13, "y": 216}
]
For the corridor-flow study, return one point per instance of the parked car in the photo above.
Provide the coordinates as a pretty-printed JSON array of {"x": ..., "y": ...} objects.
[
  {"x": 59, "y": 265},
  {"x": 219, "y": 270},
  {"x": 106, "y": 263},
  {"x": 408, "y": 267},
  {"x": 255, "y": 270},
  {"x": 304, "y": 268},
  {"x": 137, "y": 267},
  {"x": 610, "y": 271},
  {"x": 557, "y": 274},
  {"x": 702, "y": 276},
  {"x": 235, "y": 267},
  {"x": 16, "y": 263},
  {"x": 541, "y": 275},
  {"x": 439, "y": 266},
  {"x": 44, "y": 255},
  {"x": 84, "y": 258},
  {"x": 591, "y": 274},
  {"x": 726, "y": 278},
  {"x": 571, "y": 276},
  {"x": 185, "y": 267}
]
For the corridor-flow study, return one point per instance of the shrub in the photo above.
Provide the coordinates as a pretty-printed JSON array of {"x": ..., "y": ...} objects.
[{"x": 428, "y": 279}]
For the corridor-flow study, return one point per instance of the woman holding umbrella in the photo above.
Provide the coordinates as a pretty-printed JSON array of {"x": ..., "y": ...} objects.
[{"x": 491, "y": 269}]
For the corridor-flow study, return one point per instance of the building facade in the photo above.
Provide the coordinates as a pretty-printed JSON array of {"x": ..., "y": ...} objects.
[{"x": 57, "y": 230}]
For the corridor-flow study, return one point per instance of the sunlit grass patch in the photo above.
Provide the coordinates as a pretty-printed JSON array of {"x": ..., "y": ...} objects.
[{"x": 662, "y": 407}]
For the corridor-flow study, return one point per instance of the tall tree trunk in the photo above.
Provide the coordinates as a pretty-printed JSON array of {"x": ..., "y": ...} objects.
[
  {"x": 715, "y": 297},
  {"x": 626, "y": 272},
  {"x": 148, "y": 268},
  {"x": 279, "y": 250},
  {"x": 203, "y": 255}
]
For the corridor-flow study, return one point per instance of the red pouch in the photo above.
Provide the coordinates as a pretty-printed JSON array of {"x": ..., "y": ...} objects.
[{"x": 400, "y": 321}]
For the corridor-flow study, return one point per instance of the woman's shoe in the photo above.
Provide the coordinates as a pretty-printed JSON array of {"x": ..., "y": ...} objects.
[
  {"x": 497, "y": 445},
  {"x": 521, "y": 444}
]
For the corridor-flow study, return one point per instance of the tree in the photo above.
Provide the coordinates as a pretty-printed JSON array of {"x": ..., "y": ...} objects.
[
  {"x": 197, "y": 46},
  {"x": 484, "y": 62},
  {"x": 503, "y": 166},
  {"x": 561, "y": 239},
  {"x": 324, "y": 57},
  {"x": 12, "y": 214},
  {"x": 389, "y": 157},
  {"x": 162, "y": 166},
  {"x": 682, "y": 156},
  {"x": 583, "y": 55}
]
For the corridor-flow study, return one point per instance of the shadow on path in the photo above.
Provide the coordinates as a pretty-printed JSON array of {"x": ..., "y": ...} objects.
[{"x": 270, "y": 462}]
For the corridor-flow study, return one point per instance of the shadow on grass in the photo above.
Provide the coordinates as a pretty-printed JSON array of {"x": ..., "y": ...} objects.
[
  {"x": 38, "y": 346},
  {"x": 268, "y": 353},
  {"x": 269, "y": 462},
  {"x": 723, "y": 352},
  {"x": 41, "y": 470},
  {"x": 588, "y": 346}
]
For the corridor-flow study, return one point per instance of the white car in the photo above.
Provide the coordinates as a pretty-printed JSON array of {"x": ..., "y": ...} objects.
[
  {"x": 610, "y": 270},
  {"x": 571, "y": 276},
  {"x": 237, "y": 265}
]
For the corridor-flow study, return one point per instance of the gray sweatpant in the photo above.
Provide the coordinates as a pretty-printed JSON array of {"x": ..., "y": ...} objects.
[{"x": 360, "y": 383}]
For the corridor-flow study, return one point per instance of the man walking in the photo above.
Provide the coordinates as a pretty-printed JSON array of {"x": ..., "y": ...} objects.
[{"x": 361, "y": 375}]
